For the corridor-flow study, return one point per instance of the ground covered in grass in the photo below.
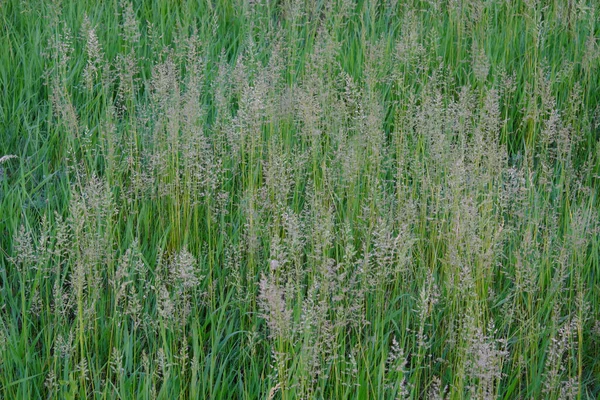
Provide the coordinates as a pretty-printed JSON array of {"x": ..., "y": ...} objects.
[{"x": 300, "y": 199}]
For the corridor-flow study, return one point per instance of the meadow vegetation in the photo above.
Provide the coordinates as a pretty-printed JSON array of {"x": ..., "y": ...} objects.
[{"x": 300, "y": 199}]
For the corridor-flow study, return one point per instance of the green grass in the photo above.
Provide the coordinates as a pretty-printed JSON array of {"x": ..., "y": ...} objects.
[{"x": 300, "y": 199}]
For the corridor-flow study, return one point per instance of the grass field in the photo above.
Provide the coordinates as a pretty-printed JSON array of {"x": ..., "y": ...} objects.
[{"x": 300, "y": 199}]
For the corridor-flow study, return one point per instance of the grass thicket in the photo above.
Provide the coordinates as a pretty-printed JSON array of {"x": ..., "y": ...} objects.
[{"x": 300, "y": 199}]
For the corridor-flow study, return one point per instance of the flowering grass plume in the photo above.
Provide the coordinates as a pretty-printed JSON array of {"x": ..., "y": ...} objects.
[{"x": 300, "y": 199}]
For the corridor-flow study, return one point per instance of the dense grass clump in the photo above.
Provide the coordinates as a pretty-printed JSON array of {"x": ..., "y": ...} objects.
[{"x": 300, "y": 199}]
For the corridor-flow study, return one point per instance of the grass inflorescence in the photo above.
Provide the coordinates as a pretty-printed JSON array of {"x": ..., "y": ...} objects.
[{"x": 300, "y": 199}]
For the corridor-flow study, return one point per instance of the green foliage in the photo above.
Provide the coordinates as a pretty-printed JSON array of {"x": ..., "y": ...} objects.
[{"x": 299, "y": 199}]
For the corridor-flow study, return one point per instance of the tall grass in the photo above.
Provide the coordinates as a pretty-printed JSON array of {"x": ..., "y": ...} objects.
[{"x": 300, "y": 199}]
